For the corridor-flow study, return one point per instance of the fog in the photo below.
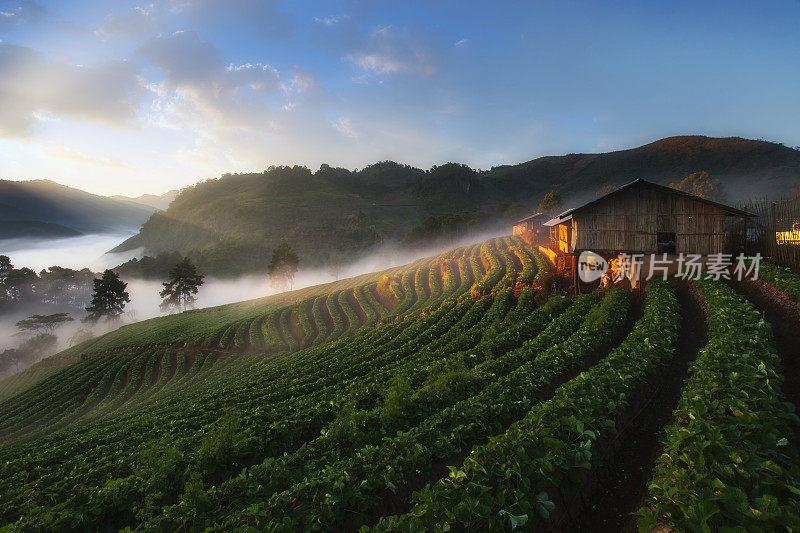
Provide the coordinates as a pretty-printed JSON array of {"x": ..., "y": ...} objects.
[
  {"x": 86, "y": 251},
  {"x": 90, "y": 252}
]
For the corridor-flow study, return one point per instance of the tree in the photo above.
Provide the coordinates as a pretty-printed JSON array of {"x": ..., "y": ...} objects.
[
  {"x": 20, "y": 284},
  {"x": 335, "y": 263},
  {"x": 183, "y": 284},
  {"x": 8, "y": 358},
  {"x": 282, "y": 266},
  {"x": 605, "y": 190},
  {"x": 109, "y": 297},
  {"x": 5, "y": 267},
  {"x": 43, "y": 323},
  {"x": 551, "y": 204},
  {"x": 702, "y": 185},
  {"x": 80, "y": 335}
]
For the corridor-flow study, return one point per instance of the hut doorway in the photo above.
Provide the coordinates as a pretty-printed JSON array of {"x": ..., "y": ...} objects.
[{"x": 665, "y": 242}]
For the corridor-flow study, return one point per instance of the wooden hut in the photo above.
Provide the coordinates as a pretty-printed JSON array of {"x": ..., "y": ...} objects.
[
  {"x": 532, "y": 229},
  {"x": 644, "y": 218}
]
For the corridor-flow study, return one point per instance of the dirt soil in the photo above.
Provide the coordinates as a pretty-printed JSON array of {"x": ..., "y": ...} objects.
[{"x": 623, "y": 489}]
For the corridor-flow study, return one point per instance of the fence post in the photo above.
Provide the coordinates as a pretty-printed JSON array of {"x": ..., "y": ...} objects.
[{"x": 773, "y": 245}]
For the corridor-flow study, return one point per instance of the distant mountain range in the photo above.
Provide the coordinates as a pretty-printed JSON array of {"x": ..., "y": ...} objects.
[
  {"x": 46, "y": 209},
  {"x": 150, "y": 200},
  {"x": 230, "y": 225}
]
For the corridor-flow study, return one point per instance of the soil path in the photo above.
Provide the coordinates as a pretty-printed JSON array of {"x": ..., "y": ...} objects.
[{"x": 624, "y": 487}]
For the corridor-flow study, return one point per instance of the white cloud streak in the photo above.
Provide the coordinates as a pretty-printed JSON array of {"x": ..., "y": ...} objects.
[{"x": 30, "y": 86}]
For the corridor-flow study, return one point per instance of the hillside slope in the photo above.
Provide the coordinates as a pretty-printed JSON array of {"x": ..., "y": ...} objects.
[
  {"x": 45, "y": 201},
  {"x": 468, "y": 401},
  {"x": 238, "y": 219}
]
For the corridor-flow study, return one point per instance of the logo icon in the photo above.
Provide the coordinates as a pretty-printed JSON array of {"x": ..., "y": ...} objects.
[{"x": 591, "y": 266}]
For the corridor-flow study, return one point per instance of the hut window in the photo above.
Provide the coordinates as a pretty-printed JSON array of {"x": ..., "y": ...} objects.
[{"x": 666, "y": 242}]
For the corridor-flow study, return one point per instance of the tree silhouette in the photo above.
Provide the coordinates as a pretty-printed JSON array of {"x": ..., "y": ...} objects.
[
  {"x": 5, "y": 267},
  {"x": 80, "y": 335},
  {"x": 551, "y": 204},
  {"x": 109, "y": 297},
  {"x": 43, "y": 323},
  {"x": 703, "y": 185},
  {"x": 183, "y": 284},
  {"x": 606, "y": 189},
  {"x": 282, "y": 267},
  {"x": 335, "y": 263}
]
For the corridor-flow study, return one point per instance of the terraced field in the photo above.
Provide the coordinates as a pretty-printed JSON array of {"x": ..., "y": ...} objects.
[{"x": 450, "y": 394}]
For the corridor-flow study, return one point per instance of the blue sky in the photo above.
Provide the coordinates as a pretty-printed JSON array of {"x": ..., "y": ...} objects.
[{"x": 134, "y": 97}]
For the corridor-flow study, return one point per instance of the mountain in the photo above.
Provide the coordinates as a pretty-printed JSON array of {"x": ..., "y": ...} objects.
[
  {"x": 44, "y": 208},
  {"x": 155, "y": 201},
  {"x": 18, "y": 229},
  {"x": 230, "y": 225},
  {"x": 747, "y": 168}
]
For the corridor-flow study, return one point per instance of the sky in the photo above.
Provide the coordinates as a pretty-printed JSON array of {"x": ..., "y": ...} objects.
[{"x": 119, "y": 97}]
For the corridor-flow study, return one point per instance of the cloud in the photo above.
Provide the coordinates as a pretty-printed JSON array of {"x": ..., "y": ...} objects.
[
  {"x": 201, "y": 92},
  {"x": 21, "y": 13},
  {"x": 228, "y": 110},
  {"x": 189, "y": 63},
  {"x": 75, "y": 156},
  {"x": 258, "y": 77},
  {"x": 381, "y": 64},
  {"x": 345, "y": 126},
  {"x": 462, "y": 42},
  {"x": 332, "y": 20},
  {"x": 302, "y": 81},
  {"x": 389, "y": 51},
  {"x": 264, "y": 17},
  {"x": 31, "y": 87},
  {"x": 135, "y": 22},
  {"x": 183, "y": 58}
]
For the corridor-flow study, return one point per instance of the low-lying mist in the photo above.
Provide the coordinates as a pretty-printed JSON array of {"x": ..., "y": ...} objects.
[
  {"x": 89, "y": 251},
  {"x": 86, "y": 251}
]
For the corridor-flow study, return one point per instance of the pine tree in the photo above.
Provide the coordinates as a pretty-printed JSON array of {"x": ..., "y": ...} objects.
[
  {"x": 183, "y": 284},
  {"x": 109, "y": 297}
]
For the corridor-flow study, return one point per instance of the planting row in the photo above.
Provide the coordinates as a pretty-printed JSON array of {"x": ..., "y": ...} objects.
[{"x": 730, "y": 457}]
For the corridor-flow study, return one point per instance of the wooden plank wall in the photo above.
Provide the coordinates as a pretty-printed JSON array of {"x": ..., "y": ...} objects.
[{"x": 629, "y": 221}]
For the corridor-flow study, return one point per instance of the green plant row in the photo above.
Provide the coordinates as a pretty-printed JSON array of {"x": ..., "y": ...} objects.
[
  {"x": 291, "y": 425},
  {"x": 507, "y": 482},
  {"x": 88, "y": 460},
  {"x": 730, "y": 458},
  {"x": 782, "y": 278},
  {"x": 355, "y": 488},
  {"x": 446, "y": 380},
  {"x": 495, "y": 272},
  {"x": 529, "y": 264}
]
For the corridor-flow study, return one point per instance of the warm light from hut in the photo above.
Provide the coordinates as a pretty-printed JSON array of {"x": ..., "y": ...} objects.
[{"x": 789, "y": 237}]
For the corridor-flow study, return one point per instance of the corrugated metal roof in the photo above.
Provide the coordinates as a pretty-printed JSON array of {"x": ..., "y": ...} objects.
[
  {"x": 640, "y": 182},
  {"x": 557, "y": 220},
  {"x": 526, "y": 219}
]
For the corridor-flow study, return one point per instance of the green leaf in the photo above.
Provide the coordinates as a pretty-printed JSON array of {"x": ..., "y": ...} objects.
[{"x": 515, "y": 520}]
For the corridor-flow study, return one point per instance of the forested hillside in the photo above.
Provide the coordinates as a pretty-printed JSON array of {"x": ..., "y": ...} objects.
[{"x": 230, "y": 225}]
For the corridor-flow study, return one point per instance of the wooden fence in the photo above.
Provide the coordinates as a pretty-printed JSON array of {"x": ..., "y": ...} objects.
[{"x": 776, "y": 218}]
